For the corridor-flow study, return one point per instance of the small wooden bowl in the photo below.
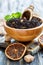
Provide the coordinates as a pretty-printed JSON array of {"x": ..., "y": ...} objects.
[
  {"x": 15, "y": 51},
  {"x": 24, "y": 35}
]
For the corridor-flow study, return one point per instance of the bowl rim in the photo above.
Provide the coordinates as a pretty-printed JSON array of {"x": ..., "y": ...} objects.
[{"x": 5, "y": 25}]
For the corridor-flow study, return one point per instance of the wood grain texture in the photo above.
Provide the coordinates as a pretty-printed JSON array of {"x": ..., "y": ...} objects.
[{"x": 5, "y": 61}]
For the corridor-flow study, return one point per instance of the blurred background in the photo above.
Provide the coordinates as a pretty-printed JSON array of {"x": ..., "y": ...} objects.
[{"x": 10, "y": 6}]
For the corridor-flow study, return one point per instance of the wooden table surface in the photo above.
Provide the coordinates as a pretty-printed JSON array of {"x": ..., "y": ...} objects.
[{"x": 5, "y": 61}]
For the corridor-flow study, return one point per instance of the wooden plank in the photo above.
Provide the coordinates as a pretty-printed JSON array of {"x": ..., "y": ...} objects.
[
  {"x": 40, "y": 57},
  {"x": 5, "y": 61}
]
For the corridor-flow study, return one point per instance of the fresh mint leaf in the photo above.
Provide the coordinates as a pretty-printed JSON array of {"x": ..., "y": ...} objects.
[
  {"x": 16, "y": 15},
  {"x": 8, "y": 17}
]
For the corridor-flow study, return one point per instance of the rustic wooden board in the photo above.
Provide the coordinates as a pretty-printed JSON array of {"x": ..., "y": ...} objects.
[{"x": 5, "y": 61}]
